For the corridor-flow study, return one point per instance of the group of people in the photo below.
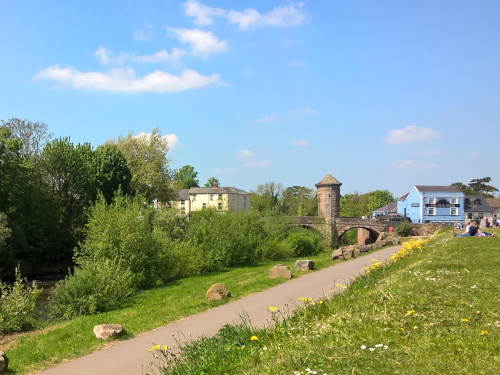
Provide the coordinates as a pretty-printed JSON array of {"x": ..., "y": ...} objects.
[{"x": 471, "y": 230}]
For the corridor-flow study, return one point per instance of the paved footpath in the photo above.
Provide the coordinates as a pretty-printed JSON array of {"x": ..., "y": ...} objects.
[{"x": 132, "y": 357}]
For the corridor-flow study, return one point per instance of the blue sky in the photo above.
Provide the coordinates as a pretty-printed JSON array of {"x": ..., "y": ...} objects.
[{"x": 382, "y": 94}]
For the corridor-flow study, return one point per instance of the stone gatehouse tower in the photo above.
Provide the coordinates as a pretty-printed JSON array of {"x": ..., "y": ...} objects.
[{"x": 328, "y": 192}]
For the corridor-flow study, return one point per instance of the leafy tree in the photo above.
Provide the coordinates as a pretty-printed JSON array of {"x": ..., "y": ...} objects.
[
  {"x": 211, "y": 182},
  {"x": 480, "y": 186},
  {"x": 463, "y": 188},
  {"x": 379, "y": 198},
  {"x": 299, "y": 201},
  {"x": 267, "y": 197},
  {"x": 146, "y": 156},
  {"x": 33, "y": 135},
  {"x": 10, "y": 167},
  {"x": 185, "y": 178},
  {"x": 111, "y": 172},
  {"x": 349, "y": 206}
]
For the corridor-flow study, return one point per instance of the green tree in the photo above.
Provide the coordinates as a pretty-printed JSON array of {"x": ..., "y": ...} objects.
[
  {"x": 10, "y": 167},
  {"x": 185, "y": 178},
  {"x": 33, "y": 135},
  {"x": 211, "y": 182},
  {"x": 111, "y": 172},
  {"x": 349, "y": 206},
  {"x": 267, "y": 197},
  {"x": 481, "y": 186},
  {"x": 146, "y": 156},
  {"x": 299, "y": 201},
  {"x": 379, "y": 198}
]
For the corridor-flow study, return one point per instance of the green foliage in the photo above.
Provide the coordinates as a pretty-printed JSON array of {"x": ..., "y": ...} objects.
[
  {"x": 404, "y": 228},
  {"x": 304, "y": 244},
  {"x": 273, "y": 249},
  {"x": 185, "y": 178},
  {"x": 123, "y": 230},
  {"x": 349, "y": 206},
  {"x": 18, "y": 310},
  {"x": 266, "y": 199},
  {"x": 4, "y": 230},
  {"x": 33, "y": 135},
  {"x": 95, "y": 286},
  {"x": 299, "y": 201},
  {"x": 211, "y": 182},
  {"x": 146, "y": 156},
  {"x": 379, "y": 198}
]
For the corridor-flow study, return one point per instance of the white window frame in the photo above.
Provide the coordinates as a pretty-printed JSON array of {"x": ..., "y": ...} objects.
[
  {"x": 432, "y": 200},
  {"x": 431, "y": 211},
  {"x": 454, "y": 200},
  {"x": 453, "y": 211}
]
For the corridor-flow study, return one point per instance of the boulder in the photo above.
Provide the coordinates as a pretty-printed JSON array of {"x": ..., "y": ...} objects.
[
  {"x": 337, "y": 254},
  {"x": 217, "y": 291},
  {"x": 304, "y": 265},
  {"x": 4, "y": 362},
  {"x": 106, "y": 331},
  {"x": 362, "y": 248},
  {"x": 347, "y": 252},
  {"x": 280, "y": 271}
]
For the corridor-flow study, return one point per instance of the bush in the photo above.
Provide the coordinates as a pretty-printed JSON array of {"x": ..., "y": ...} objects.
[
  {"x": 18, "y": 310},
  {"x": 404, "y": 229},
  {"x": 304, "y": 244},
  {"x": 95, "y": 286},
  {"x": 275, "y": 250}
]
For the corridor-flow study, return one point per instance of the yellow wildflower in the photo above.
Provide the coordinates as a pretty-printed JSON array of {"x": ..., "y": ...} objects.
[
  {"x": 254, "y": 338},
  {"x": 465, "y": 320},
  {"x": 410, "y": 312},
  {"x": 483, "y": 332}
]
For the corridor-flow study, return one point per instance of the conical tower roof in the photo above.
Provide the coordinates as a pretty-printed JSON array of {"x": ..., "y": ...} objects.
[{"x": 328, "y": 180}]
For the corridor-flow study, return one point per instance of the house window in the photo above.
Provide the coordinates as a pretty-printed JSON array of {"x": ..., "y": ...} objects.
[
  {"x": 183, "y": 211},
  {"x": 432, "y": 201},
  {"x": 220, "y": 196},
  {"x": 469, "y": 216},
  {"x": 219, "y": 206},
  {"x": 204, "y": 205},
  {"x": 244, "y": 197},
  {"x": 431, "y": 211},
  {"x": 211, "y": 197},
  {"x": 453, "y": 211},
  {"x": 194, "y": 198},
  {"x": 454, "y": 200},
  {"x": 183, "y": 202}
]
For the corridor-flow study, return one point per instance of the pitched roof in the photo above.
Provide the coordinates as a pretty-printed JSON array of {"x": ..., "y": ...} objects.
[
  {"x": 217, "y": 190},
  {"x": 493, "y": 202},
  {"x": 183, "y": 194},
  {"x": 437, "y": 189},
  {"x": 404, "y": 196},
  {"x": 389, "y": 207},
  {"x": 481, "y": 206},
  {"x": 328, "y": 180}
]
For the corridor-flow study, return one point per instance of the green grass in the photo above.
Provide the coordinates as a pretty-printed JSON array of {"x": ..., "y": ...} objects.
[
  {"x": 144, "y": 311},
  {"x": 435, "y": 311}
]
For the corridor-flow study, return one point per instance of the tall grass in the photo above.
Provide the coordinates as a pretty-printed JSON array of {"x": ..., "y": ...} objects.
[{"x": 433, "y": 310}]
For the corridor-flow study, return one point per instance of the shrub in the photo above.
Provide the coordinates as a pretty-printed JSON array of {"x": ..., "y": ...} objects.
[
  {"x": 275, "y": 250},
  {"x": 95, "y": 286},
  {"x": 304, "y": 244},
  {"x": 404, "y": 228},
  {"x": 18, "y": 310}
]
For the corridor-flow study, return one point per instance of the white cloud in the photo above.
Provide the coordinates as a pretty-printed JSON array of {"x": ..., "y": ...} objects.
[
  {"x": 412, "y": 165},
  {"x": 291, "y": 15},
  {"x": 159, "y": 56},
  {"x": 202, "y": 43},
  {"x": 295, "y": 64},
  {"x": 171, "y": 139},
  {"x": 411, "y": 133},
  {"x": 244, "y": 153},
  {"x": 107, "y": 57},
  {"x": 143, "y": 34},
  {"x": 257, "y": 164},
  {"x": 124, "y": 80},
  {"x": 303, "y": 112},
  {"x": 299, "y": 143},
  {"x": 272, "y": 118}
]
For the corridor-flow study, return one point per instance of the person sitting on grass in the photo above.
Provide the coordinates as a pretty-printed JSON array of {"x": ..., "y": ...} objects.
[{"x": 473, "y": 230}]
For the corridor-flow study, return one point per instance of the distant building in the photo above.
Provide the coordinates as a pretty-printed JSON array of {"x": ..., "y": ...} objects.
[
  {"x": 387, "y": 210},
  {"x": 218, "y": 198},
  {"x": 478, "y": 209},
  {"x": 433, "y": 204},
  {"x": 495, "y": 206}
]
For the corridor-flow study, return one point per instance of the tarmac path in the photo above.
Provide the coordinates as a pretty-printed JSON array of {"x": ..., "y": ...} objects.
[{"x": 132, "y": 357}]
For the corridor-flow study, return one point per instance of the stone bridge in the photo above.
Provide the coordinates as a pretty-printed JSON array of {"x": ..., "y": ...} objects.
[{"x": 369, "y": 234}]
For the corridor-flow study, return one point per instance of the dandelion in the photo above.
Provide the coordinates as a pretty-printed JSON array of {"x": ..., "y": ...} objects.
[
  {"x": 415, "y": 327},
  {"x": 463, "y": 302},
  {"x": 402, "y": 329},
  {"x": 465, "y": 320},
  {"x": 483, "y": 332},
  {"x": 273, "y": 309},
  {"x": 254, "y": 338},
  {"x": 320, "y": 301},
  {"x": 165, "y": 347},
  {"x": 459, "y": 349},
  {"x": 156, "y": 347},
  {"x": 410, "y": 312}
]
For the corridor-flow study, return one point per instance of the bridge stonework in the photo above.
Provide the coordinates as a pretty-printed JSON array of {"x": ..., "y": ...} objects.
[{"x": 343, "y": 224}]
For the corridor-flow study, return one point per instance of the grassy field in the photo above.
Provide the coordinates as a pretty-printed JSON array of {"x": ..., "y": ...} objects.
[
  {"x": 434, "y": 310},
  {"x": 34, "y": 351}
]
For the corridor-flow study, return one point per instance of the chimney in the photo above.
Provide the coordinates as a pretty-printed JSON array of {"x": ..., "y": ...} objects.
[{"x": 215, "y": 186}]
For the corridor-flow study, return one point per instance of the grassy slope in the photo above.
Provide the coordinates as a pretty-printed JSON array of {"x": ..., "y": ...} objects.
[
  {"x": 145, "y": 311},
  {"x": 436, "y": 311}
]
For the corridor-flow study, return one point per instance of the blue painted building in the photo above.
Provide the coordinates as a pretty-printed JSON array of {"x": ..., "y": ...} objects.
[{"x": 433, "y": 204}]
